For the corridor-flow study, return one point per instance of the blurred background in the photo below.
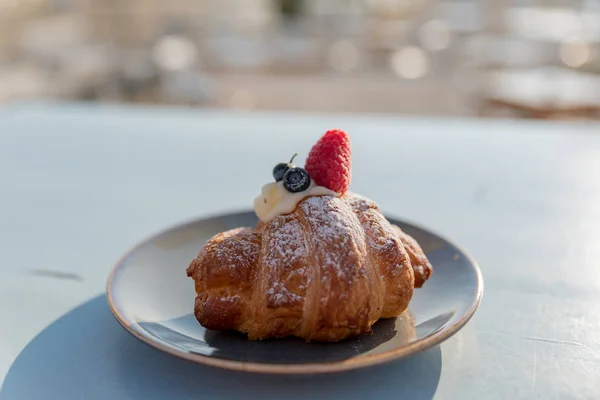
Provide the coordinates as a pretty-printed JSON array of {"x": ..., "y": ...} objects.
[{"x": 482, "y": 58}]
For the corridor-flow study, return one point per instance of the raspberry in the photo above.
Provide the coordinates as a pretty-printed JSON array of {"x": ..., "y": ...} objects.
[{"x": 328, "y": 162}]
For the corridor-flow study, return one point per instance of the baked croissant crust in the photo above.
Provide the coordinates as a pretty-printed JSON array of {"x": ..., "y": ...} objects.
[{"x": 327, "y": 271}]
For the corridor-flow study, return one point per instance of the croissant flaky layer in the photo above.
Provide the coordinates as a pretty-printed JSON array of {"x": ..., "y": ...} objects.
[{"x": 325, "y": 272}]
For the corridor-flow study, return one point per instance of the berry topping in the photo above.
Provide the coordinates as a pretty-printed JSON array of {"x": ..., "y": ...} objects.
[
  {"x": 296, "y": 179},
  {"x": 328, "y": 162},
  {"x": 281, "y": 168}
]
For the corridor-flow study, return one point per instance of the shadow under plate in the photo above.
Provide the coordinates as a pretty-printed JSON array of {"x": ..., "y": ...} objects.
[{"x": 86, "y": 355}]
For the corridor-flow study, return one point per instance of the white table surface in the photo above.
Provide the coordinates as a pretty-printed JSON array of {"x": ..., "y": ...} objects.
[{"x": 80, "y": 184}]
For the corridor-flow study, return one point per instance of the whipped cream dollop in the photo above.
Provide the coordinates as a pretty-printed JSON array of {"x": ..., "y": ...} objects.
[{"x": 275, "y": 200}]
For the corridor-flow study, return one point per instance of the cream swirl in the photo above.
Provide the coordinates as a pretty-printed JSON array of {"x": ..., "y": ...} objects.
[{"x": 275, "y": 200}]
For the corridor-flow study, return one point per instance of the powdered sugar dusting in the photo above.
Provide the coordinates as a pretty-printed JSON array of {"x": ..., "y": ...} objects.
[
  {"x": 419, "y": 269},
  {"x": 285, "y": 262},
  {"x": 373, "y": 222},
  {"x": 285, "y": 241},
  {"x": 379, "y": 233},
  {"x": 279, "y": 295},
  {"x": 335, "y": 233},
  {"x": 227, "y": 257},
  {"x": 386, "y": 237},
  {"x": 239, "y": 251},
  {"x": 230, "y": 299}
]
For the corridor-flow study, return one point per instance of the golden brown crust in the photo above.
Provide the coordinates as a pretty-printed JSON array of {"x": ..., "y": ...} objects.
[
  {"x": 223, "y": 274},
  {"x": 421, "y": 266},
  {"x": 387, "y": 252},
  {"x": 282, "y": 280},
  {"x": 327, "y": 271},
  {"x": 343, "y": 293}
]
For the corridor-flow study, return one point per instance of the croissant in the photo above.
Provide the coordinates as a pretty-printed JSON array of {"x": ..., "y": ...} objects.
[
  {"x": 322, "y": 263},
  {"x": 327, "y": 271}
]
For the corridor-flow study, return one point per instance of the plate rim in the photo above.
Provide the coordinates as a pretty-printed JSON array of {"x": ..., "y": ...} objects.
[{"x": 293, "y": 369}]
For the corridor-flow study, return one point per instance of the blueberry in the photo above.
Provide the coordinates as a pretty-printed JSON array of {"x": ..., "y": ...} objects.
[
  {"x": 279, "y": 170},
  {"x": 296, "y": 179}
]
